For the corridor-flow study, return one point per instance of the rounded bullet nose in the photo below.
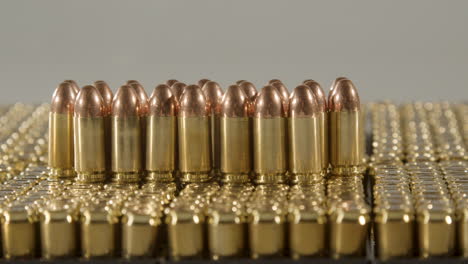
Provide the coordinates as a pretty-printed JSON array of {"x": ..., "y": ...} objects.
[
  {"x": 269, "y": 103},
  {"x": 63, "y": 99},
  {"x": 274, "y": 80},
  {"x": 132, "y": 81},
  {"x": 345, "y": 97},
  {"x": 89, "y": 103},
  {"x": 171, "y": 82},
  {"x": 163, "y": 102},
  {"x": 235, "y": 103},
  {"x": 334, "y": 83},
  {"x": 193, "y": 103},
  {"x": 318, "y": 93},
  {"x": 202, "y": 82},
  {"x": 303, "y": 102},
  {"x": 214, "y": 94},
  {"x": 142, "y": 96},
  {"x": 74, "y": 84},
  {"x": 249, "y": 90},
  {"x": 125, "y": 102},
  {"x": 240, "y": 81},
  {"x": 178, "y": 89},
  {"x": 106, "y": 94}
]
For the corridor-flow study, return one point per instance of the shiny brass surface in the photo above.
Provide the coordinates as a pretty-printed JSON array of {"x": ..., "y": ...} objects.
[
  {"x": 99, "y": 233},
  {"x": 227, "y": 235},
  {"x": 267, "y": 235},
  {"x": 436, "y": 233},
  {"x": 59, "y": 234},
  {"x": 126, "y": 144},
  {"x": 307, "y": 234},
  {"x": 140, "y": 234},
  {"x": 61, "y": 147},
  {"x": 186, "y": 234},
  {"x": 20, "y": 234},
  {"x": 161, "y": 147}
]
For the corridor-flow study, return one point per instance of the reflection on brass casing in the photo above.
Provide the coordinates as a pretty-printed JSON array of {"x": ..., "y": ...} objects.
[
  {"x": 346, "y": 153},
  {"x": 270, "y": 150},
  {"x": 99, "y": 233},
  {"x": 90, "y": 163},
  {"x": 20, "y": 231},
  {"x": 305, "y": 146},
  {"x": 194, "y": 148},
  {"x": 462, "y": 231},
  {"x": 348, "y": 233},
  {"x": 324, "y": 139},
  {"x": 126, "y": 144},
  {"x": 267, "y": 235},
  {"x": 61, "y": 145},
  {"x": 185, "y": 234},
  {"x": 227, "y": 236},
  {"x": 307, "y": 234},
  {"x": 436, "y": 234},
  {"x": 140, "y": 233},
  {"x": 59, "y": 234},
  {"x": 235, "y": 149},
  {"x": 161, "y": 147}
]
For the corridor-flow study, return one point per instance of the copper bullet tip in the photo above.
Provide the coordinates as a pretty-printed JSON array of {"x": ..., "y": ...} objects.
[
  {"x": 214, "y": 95},
  {"x": 269, "y": 103},
  {"x": 178, "y": 89},
  {"x": 89, "y": 103},
  {"x": 202, "y": 82},
  {"x": 74, "y": 85},
  {"x": 334, "y": 83},
  {"x": 303, "y": 102},
  {"x": 344, "y": 97},
  {"x": 106, "y": 94},
  {"x": 240, "y": 81},
  {"x": 63, "y": 99},
  {"x": 318, "y": 93},
  {"x": 125, "y": 102},
  {"x": 274, "y": 80},
  {"x": 171, "y": 82},
  {"x": 193, "y": 103},
  {"x": 142, "y": 96},
  {"x": 249, "y": 89},
  {"x": 163, "y": 102},
  {"x": 235, "y": 103}
]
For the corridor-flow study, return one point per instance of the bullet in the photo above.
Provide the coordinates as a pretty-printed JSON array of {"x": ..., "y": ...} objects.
[
  {"x": 126, "y": 136},
  {"x": 305, "y": 145},
  {"x": 274, "y": 80},
  {"x": 346, "y": 150},
  {"x": 74, "y": 85},
  {"x": 177, "y": 89},
  {"x": 333, "y": 85},
  {"x": 171, "y": 82},
  {"x": 321, "y": 98},
  {"x": 284, "y": 93},
  {"x": 251, "y": 93},
  {"x": 143, "y": 109},
  {"x": 90, "y": 154},
  {"x": 235, "y": 136},
  {"x": 161, "y": 135},
  {"x": 202, "y": 82},
  {"x": 240, "y": 81},
  {"x": 107, "y": 96},
  {"x": 61, "y": 147},
  {"x": 194, "y": 136},
  {"x": 269, "y": 133},
  {"x": 214, "y": 96}
]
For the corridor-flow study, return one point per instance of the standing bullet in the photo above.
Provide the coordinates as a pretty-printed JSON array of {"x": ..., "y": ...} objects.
[
  {"x": 240, "y": 81},
  {"x": 251, "y": 93},
  {"x": 171, "y": 82},
  {"x": 107, "y": 96},
  {"x": 178, "y": 89},
  {"x": 274, "y": 80},
  {"x": 305, "y": 145},
  {"x": 161, "y": 135},
  {"x": 269, "y": 133},
  {"x": 90, "y": 155},
  {"x": 319, "y": 95},
  {"x": 202, "y": 82},
  {"x": 283, "y": 91},
  {"x": 194, "y": 137},
  {"x": 61, "y": 150},
  {"x": 235, "y": 136},
  {"x": 74, "y": 85},
  {"x": 143, "y": 109},
  {"x": 126, "y": 136},
  {"x": 214, "y": 95},
  {"x": 346, "y": 150}
]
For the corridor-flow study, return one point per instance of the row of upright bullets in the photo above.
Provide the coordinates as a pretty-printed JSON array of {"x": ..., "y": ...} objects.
[
  {"x": 418, "y": 206},
  {"x": 199, "y": 131}
]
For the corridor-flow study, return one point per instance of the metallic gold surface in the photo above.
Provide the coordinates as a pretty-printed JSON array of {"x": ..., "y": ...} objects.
[
  {"x": 140, "y": 234},
  {"x": 99, "y": 233},
  {"x": 436, "y": 233},
  {"x": 267, "y": 234},
  {"x": 161, "y": 147},
  {"x": 186, "y": 234},
  {"x": 307, "y": 231},
  {"x": 227, "y": 234},
  {"x": 126, "y": 154},
  {"x": 20, "y": 233}
]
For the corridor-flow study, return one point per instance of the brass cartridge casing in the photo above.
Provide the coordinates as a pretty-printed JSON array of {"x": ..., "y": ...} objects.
[
  {"x": 161, "y": 135},
  {"x": 89, "y": 126},
  {"x": 462, "y": 230},
  {"x": 99, "y": 232},
  {"x": 194, "y": 137},
  {"x": 436, "y": 232},
  {"x": 59, "y": 230},
  {"x": 107, "y": 97},
  {"x": 61, "y": 147},
  {"x": 269, "y": 133},
  {"x": 235, "y": 136},
  {"x": 141, "y": 232},
  {"x": 214, "y": 96},
  {"x": 322, "y": 117},
  {"x": 267, "y": 233},
  {"x": 126, "y": 136},
  {"x": 185, "y": 229},
  {"x": 305, "y": 145},
  {"x": 20, "y": 233},
  {"x": 178, "y": 89},
  {"x": 346, "y": 153}
]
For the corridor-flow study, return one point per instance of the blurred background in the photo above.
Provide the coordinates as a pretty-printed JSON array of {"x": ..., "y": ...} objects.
[{"x": 398, "y": 50}]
